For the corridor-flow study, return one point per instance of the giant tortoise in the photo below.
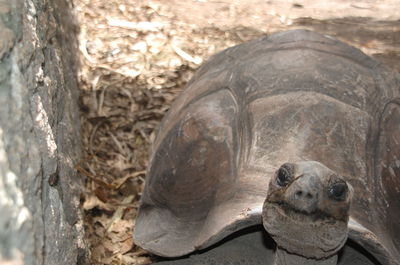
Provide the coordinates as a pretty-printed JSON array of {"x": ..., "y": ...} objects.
[{"x": 296, "y": 131}]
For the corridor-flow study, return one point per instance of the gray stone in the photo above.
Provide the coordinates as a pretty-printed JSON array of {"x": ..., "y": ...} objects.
[{"x": 40, "y": 219}]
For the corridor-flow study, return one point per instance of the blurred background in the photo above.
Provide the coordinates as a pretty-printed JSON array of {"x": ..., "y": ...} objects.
[{"x": 136, "y": 56}]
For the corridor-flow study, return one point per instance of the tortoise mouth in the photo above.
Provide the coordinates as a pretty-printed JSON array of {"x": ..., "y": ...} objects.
[
  {"x": 312, "y": 235},
  {"x": 297, "y": 215}
]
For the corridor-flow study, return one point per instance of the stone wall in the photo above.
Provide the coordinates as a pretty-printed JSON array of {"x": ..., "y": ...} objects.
[{"x": 40, "y": 220}]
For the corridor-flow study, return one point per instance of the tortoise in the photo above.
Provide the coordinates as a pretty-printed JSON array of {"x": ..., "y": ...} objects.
[{"x": 297, "y": 133}]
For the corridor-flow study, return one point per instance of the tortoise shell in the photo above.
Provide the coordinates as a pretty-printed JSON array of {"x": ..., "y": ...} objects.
[{"x": 291, "y": 96}]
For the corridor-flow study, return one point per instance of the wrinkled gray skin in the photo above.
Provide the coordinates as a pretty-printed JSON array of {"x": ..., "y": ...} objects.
[
  {"x": 255, "y": 247},
  {"x": 306, "y": 213}
]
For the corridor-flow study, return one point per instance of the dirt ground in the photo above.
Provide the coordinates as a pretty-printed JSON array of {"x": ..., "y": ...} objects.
[{"x": 138, "y": 55}]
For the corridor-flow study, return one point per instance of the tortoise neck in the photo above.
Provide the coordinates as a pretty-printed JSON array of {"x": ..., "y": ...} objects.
[{"x": 283, "y": 257}]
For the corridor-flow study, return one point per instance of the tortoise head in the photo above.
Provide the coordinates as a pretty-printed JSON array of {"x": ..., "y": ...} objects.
[{"x": 307, "y": 209}]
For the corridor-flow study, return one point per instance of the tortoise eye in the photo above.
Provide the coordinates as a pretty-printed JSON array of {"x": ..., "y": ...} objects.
[
  {"x": 338, "y": 190},
  {"x": 283, "y": 176}
]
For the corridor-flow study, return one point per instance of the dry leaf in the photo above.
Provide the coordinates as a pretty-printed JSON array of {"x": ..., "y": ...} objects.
[{"x": 92, "y": 202}]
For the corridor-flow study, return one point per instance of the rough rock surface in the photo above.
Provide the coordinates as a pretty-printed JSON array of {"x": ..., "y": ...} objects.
[{"x": 40, "y": 222}]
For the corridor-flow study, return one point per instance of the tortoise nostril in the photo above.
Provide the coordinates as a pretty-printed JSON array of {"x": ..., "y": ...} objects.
[{"x": 303, "y": 195}]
